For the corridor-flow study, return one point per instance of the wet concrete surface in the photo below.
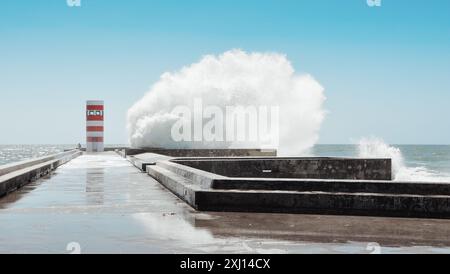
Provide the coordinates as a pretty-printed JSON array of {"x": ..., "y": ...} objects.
[{"x": 107, "y": 205}]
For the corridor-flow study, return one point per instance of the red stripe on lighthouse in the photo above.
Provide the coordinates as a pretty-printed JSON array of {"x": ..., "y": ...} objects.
[
  {"x": 95, "y": 139},
  {"x": 94, "y": 107},
  {"x": 93, "y": 128},
  {"x": 95, "y": 118}
]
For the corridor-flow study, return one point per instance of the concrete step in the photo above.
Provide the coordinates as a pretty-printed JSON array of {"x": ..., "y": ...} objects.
[
  {"x": 180, "y": 186},
  {"x": 143, "y": 160},
  {"x": 366, "y": 204},
  {"x": 196, "y": 176},
  {"x": 347, "y": 186},
  {"x": 139, "y": 163}
]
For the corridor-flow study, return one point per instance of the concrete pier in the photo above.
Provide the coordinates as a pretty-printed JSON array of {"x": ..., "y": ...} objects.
[{"x": 107, "y": 205}]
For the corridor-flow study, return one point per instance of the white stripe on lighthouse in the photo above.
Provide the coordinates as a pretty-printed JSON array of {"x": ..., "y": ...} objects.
[
  {"x": 94, "y": 134},
  {"x": 94, "y": 123},
  {"x": 95, "y": 103}
]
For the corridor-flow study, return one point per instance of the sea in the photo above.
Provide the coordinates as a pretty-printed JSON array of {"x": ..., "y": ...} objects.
[
  {"x": 425, "y": 163},
  {"x": 16, "y": 153},
  {"x": 410, "y": 162}
]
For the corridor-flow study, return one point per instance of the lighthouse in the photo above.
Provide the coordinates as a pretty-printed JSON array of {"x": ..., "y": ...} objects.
[{"x": 94, "y": 126}]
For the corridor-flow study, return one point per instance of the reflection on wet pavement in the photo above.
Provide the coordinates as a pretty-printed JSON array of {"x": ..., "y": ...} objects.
[
  {"x": 107, "y": 206},
  {"x": 95, "y": 179}
]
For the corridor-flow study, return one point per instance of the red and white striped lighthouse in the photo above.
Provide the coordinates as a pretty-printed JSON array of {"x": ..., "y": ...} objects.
[{"x": 94, "y": 126}]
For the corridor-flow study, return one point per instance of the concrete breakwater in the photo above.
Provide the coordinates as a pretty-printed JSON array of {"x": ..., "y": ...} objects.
[
  {"x": 15, "y": 175},
  {"x": 251, "y": 181},
  {"x": 338, "y": 186}
]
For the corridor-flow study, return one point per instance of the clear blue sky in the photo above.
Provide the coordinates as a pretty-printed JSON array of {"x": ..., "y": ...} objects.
[{"x": 386, "y": 70}]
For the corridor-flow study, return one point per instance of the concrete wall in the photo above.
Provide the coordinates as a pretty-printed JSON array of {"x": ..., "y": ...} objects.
[
  {"x": 338, "y": 186},
  {"x": 14, "y": 176},
  {"x": 325, "y": 203},
  {"x": 203, "y": 152},
  {"x": 8, "y": 168},
  {"x": 106, "y": 149},
  {"x": 311, "y": 168}
]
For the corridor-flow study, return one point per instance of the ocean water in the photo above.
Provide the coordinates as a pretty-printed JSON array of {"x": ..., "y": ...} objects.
[
  {"x": 411, "y": 162},
  {"x": 15, "y": 153}
]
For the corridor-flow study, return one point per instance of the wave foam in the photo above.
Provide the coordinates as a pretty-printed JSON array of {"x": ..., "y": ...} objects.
[
  {"x": 377, "y": 148},
  {"x": 234, "y": 78}
]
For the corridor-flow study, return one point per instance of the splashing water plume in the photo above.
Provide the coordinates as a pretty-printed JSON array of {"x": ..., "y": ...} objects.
[
  {"x": 377, "y": 148},
  {"x": 234, "y": 78}
]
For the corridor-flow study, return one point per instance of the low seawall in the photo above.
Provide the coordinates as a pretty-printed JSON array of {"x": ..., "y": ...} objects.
[
  {"x": 16, "y": 175},
  {"x": 203, "y": 152},
  {"x": 296, "y": 167}
]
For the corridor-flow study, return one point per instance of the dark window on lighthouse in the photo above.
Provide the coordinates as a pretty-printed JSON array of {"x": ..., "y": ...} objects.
[{"x": 95, "y": 113}]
